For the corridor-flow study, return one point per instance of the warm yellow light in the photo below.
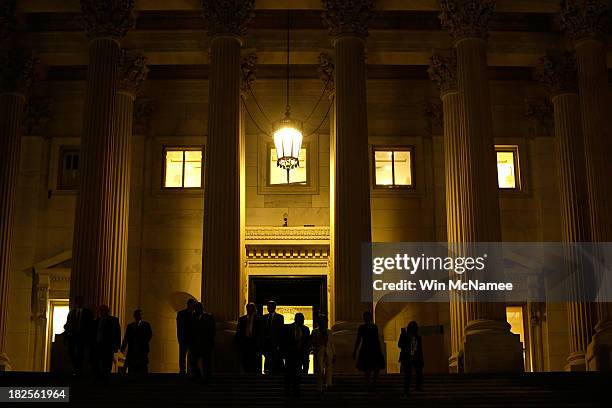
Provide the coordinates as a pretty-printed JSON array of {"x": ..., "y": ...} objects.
[
  {"x": 288, "y": 142},
  {"x": 506, "y": 175}
]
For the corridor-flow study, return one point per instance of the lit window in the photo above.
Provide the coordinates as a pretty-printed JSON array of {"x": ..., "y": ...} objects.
[
  {"x": 68, "y": 177},
  {"x": 507, "y": 172},
  {"x": 393, "y": 168},
  {"x": 516, "y": 320},
  {"x": 297, "y": 176},
  {"x": 59, "y": 314},
  {"x": 183, "y": 168}
]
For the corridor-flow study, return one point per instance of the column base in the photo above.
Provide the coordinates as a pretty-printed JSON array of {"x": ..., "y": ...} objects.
[
  {"x": 343, "y": 336},
  {"x": 490, "y": 348},
  {"x": 599, "y": 351},
  {"x": 576, "y": 362},
  {"x": 455, "y": 363},
  {"x": 226, "y": 354},
  {"x": 5, "y": 363}
]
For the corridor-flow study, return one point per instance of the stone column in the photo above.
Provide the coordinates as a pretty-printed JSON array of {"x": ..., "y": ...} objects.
[
  {"x": 558, "y": 73},
  {"x": 221, "y": 251},
  {"x": 443, "y": 70},
  {"x": 97, "y": 216},
  {"x": 16, "y": 74},
  {"x": 488, "y": 344},
  {"x": 348, "y": 26},
  {"x": 586, "y": 23}
]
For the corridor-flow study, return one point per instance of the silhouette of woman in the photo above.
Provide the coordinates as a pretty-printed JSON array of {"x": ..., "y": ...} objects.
[
  {"x": 370, "y": 359},
  {"x": 411, "y": 355}
]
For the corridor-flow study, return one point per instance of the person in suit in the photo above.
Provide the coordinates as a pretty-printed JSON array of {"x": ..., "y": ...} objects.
[
  {"x": 107, "y": 339},
  {"x": 137, "y": 337},
  {"x": 203, "y": 341},
  {"x": 411, "y": 355},
  {"x": 370, "y": 359},
  {"x": 184, "y": 323},
  {"x": 248, "y": 335},
  {"x": 273, "y": 329},
  {"x": 76, "y": 331},
  {"x": 296, "y": 349},
  {"x": 324, "y": 353}
]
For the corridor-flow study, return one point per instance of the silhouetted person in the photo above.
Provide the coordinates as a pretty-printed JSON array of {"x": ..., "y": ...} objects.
[
  {"x": 202, "y": 343},
  {"x": 296, "y": 349},
  {"x": 77, "y": 331},
  {"x": 370, "y": 359},
  {"x": 273, "y": 330},
  {"x": 411, "y": 355},
  {"x": 137, "y": 337},
  {"x": 248, "y": 335},
  {"x": 107, "y": 338},
  {"x": 184, "y": 323},
  {"x": 324, "y": 353}
]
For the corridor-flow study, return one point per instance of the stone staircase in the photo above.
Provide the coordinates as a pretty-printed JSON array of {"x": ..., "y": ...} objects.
[{"x": 169, "y": 390}]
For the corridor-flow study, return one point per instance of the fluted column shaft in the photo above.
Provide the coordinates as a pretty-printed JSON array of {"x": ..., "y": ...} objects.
[
  {"x": 94, "y": 235},
  {"x": 11, "y": 108},
  {"x": 221, "y": 248}
]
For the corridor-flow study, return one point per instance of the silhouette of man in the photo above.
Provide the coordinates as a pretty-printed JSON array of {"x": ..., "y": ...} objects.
[
  {"x": 273, "y": 331},
  {"x": 77, "y": 329},
  {"x": 203, "y": 341},
  {"x": 137, "y": 337},
  {"x": 248, "y": 335},
  {"x": 411, "y": 355},
  {"x": 296, "y": 348},
  {"x": 184, "y": 323},
  {"x": 107, "y": 338}
]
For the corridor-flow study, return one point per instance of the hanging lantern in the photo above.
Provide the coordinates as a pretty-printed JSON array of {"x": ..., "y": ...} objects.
[{"x": 288, "y": 142}]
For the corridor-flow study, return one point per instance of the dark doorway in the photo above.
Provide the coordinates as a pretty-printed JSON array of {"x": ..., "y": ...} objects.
[{"x": 289, "y": 291}]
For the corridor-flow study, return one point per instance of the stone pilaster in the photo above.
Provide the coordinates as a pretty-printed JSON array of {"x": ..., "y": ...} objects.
[
  {"x": 16, "y": 74},
  {"x": 586, "y": 23},
  {"x": 488, "y": 346},
  {"x": 221, "y": 253},
  {"x": 558, "y": 73},
  {"x": 347, "y": 22},
  {"x": 96, "y": 213}
]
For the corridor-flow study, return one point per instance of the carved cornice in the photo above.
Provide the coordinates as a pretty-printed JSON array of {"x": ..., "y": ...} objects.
[
  {"x": 582, "y": 19},
  {"x": 557, "y": 71},
  {"x": 227, "y": 17},
  {"x": 325, "y": 69},
  {"x": 133, "y": 72},
  {"x": 443, "y": 70},
  {"x": 37, "y": 113},
  {"x": 8, "y": 11},
  {"x": 467, "y": 18},
  {"x": 434, "y": 115},
  {"x": 287, "y": 234},
  {"x": 348, "y": 17},
  {"x": 248, "y": 71},
  {"x": 287, "y": 252},
  {"x": 107, "y": 18},
  {"x": 143, "y": 110},
  {"x": 17, "y": 71}
]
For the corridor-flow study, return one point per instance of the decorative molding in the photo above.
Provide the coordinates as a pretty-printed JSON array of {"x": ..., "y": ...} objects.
[
  {"x": 287, "y": 234},
  {"x": 434, "y": 115},
  {"x": 8, "y": 11},
  {"x": 132, "y": 73},
  {"x": 325, "y": 69},
  {"x": 558, "y": 72},
  {"x": 37, "y": 113},
  {"x": 467, "y": 18},
  {"x": 443, "y": 70},
  {"x": 17, "y": 71},
  {"x": 253, "y": 264},
  {"x": 227, "y": 17},
  {"x": 582, "y": 19},
  {"x": 287, "y": 252},
  {"x": 107, "y": 18},
  {"x": 248, "y": 71},
  {"x": 143, "y": 110},
  {"x": 348, "y": 17}
]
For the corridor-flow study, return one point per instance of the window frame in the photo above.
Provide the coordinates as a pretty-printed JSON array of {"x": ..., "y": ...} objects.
[
  {"x": 183, "y": 148},
  {"x": 514, "y": 149},
  {"x": 393, "y": 149},
  {"x": 271, "y": 146},
  {"x": 60, "y": 166}
]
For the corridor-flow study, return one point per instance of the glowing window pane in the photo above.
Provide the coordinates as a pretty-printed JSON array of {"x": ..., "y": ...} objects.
[
  {"x": 384, "y": 168},
  {"x": 297, "y": 176},
  {"x": 60, "y": 314},
  {"x": 193, "y": 168},
  {"x": 514, "y": 316},
  {"x": 174, "y": 168},
  {"x": 506, "y": 176},
  {"x": 401, "y": 167}
]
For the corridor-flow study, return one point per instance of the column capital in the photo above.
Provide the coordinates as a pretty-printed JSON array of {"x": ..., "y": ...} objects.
[
  {"x": 8, "y": 11},
  {"x": 584, "y": 19},
  {"x": 325, "y": 69},
  {"x": 107, "y": 18},
  {"x": 467, "y": 18},
  {"x": 558, "y": 72},
  {"x": 227, "y": 17},
  {"x": 37, "y": 113},
  {"x": 17, "y": 72},
  {"x": 248, "y": 72},
  {"x": 443, "y": 70},
  {"x": 133, "y": 72},
  {"x": 348, "y": 17}
]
